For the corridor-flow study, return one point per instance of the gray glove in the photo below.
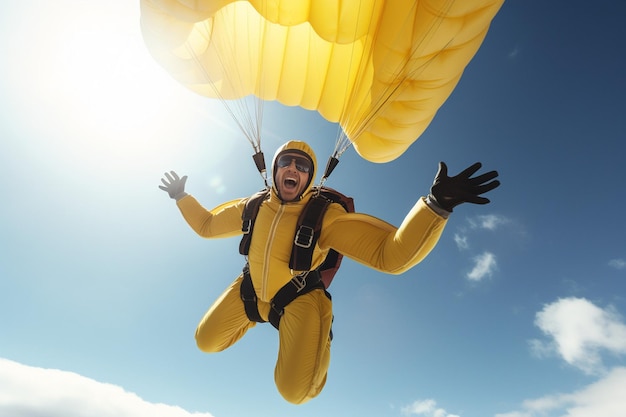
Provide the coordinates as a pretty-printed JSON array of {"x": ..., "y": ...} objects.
[
  {"x": 449, "y": 192},
  {"x": 174, "y": 185}
]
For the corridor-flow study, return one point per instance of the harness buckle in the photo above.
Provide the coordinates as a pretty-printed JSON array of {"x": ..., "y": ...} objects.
[
  {"x": 246, "y": 227},
  {"x": 299, "y": 281},
  {"x": 304, "y": 237},
  {"x": 277, "y": 311}
]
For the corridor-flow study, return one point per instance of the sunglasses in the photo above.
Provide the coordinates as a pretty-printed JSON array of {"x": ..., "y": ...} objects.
[{"x": 302, "y": 164}]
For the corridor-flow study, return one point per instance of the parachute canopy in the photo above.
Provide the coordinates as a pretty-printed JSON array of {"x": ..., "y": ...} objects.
[{"x": 381, "y": 69}]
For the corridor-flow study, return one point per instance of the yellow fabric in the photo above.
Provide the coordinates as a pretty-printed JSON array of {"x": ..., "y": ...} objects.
[
  {"x": 304, "y": 352},
  {"x": 363, "y": 238},
  {"x": 382, "y": 69},
  {"x": 304, "y": 344}
]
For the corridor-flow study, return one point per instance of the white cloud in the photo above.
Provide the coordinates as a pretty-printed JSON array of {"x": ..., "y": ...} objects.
[
  {"x": 579, "y": 331},
  {"x": 617, "y": 263},
  {"x": 603, "y": 398},
  {"x": 461, "y": 241},
  {"x": 484, "y": 266},
  {"x": 427, "y": 408},
  {"x": 488, "y": 221},
  {"x": 27, "y": 391}
]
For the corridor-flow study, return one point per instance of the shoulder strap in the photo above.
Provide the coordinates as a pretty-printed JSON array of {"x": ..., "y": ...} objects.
[
  {"x": 248, "y": 218},
  {"x": 309, "y": 228}
]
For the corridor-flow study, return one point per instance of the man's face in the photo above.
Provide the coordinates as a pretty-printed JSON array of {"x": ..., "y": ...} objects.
[{"x": 292, "y": 175}]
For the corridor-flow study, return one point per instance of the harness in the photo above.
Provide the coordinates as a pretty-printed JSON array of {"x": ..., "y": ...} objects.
[{"x": 308, "y": 230}]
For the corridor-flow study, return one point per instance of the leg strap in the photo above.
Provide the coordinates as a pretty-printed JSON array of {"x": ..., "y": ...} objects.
[
  {"x": 248, "y": 296},
  {"x": 299, "y": 285}
]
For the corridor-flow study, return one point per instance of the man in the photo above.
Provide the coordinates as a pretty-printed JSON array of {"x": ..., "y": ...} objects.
[{"x": 305, "y": 325}]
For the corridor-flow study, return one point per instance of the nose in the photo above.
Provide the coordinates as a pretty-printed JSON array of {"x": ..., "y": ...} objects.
[{"x": 292, "y": 164}]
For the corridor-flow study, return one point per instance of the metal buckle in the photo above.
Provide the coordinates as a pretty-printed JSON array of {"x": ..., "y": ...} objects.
[
  {"x": 304, "y": 237},
  {"x": 277, "y": 311},
  {"x": 245, "y": 227},
  {"x": 299, "y": 281}
]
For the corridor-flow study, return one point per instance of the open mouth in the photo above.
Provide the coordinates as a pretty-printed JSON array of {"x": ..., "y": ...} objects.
[{"x": 290, "y": 183}]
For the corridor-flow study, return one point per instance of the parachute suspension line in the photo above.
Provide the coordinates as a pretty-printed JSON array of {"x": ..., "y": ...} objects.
[
  {"x": 400, "y": 75},
  {"x": 343, "y": 141},
  {"x": 425, "y": 40},
  {"x": 240, "y": 110},
  {"x": 258, "y": 157},
  {"x": 382, "y": 98},
  {"x": 400, "y": 72},
  {"x": 250, "y": 108},
  {"x": 249, "y": 105},
  {"x": 234, "y": 108}
]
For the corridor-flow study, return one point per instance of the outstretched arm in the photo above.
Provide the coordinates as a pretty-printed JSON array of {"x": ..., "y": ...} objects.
[
  {"x": 384, "y": 247},
  {"x": 223, "y": 221},
  {"x": 380, "y": 245}
]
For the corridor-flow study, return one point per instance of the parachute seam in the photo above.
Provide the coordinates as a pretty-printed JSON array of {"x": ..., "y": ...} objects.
[
  {"x": 283, "y": 62},
  {"x": 393, "y": 89},
  {"x": 343, "y": 141}
]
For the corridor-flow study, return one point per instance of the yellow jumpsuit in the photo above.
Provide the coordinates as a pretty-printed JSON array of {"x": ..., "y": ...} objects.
[{"x": 304, "y": 342}]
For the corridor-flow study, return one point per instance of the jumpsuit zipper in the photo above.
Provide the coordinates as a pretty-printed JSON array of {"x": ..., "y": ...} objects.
[{"x": 268, "y": 250}]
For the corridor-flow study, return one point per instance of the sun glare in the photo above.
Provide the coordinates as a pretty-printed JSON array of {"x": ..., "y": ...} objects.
[
  {"x": 94, "y": 78},
  {"x": 112, "y": 87}
]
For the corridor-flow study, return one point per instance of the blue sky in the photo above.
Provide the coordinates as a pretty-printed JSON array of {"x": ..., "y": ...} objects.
[{"x": 518, "y": 312}]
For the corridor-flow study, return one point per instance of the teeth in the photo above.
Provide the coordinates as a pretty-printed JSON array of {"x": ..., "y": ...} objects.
[{"x": 290, "y": 182}]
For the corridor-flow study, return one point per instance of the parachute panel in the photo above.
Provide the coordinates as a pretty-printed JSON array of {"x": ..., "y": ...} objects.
[{"x": 381, "y": 69}]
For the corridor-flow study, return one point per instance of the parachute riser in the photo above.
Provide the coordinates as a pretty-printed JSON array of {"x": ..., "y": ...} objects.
[
  {"x": 259, "y": 161},
  {"x": 330, "y": 167}
]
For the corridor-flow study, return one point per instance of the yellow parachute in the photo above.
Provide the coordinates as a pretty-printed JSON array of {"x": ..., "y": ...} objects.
[{"x": 381, "y": 69}]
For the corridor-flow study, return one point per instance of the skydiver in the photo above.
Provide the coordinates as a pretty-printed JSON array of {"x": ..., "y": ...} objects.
[{"x": 305, "y": 324}]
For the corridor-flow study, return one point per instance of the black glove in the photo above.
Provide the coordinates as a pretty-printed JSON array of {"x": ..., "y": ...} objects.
[
  {"x": 174, "y": 185},
  {"x": 449, "y": 192}
]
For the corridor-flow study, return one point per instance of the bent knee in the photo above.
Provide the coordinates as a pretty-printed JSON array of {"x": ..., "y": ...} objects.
[
  {"x": 298, "y": 393},
  {"x": 208, "y": 344},
  {"x": 214, "y": 339},
  {"x": 293, "y": 395}
]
